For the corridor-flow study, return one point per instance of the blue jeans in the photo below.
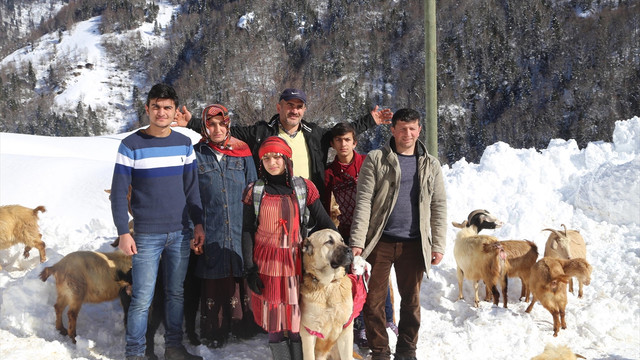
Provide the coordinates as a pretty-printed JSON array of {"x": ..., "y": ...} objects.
[{"x": 174, "y": 249}]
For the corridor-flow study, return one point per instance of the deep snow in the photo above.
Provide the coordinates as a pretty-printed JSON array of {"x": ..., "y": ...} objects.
[{"x": 595, "y": 190}]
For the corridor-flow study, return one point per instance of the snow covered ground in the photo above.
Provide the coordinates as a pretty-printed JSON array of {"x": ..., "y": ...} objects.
[{"x": 595, "y": 190}]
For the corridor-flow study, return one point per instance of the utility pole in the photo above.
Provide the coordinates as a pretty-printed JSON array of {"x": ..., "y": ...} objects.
[{"x": 430, "y": 77}]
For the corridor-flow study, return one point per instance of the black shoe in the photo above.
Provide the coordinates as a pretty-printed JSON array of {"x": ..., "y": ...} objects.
[
  {"x": 179, "y": 353},
  {"x": 404, "y": 357},
  {"x": 136, "y": 357},
  {"x": 361, "y": 339},
  {"x": 193, "y": 338}
]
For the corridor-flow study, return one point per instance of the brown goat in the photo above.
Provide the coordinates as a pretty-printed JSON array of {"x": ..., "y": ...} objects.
[
  {"x": 578, "y": 268},
  {"x": 86, "y": 277},
  {"x": 480, "y": 257},
  {"x": 548, "y": 284},
  {"x": 522, "y": 255},
  {"x": 566, "y": 245},
  {"x": 19, "y": 224}
]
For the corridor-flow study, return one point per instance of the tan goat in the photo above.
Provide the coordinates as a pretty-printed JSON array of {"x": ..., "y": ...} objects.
[
  {"x": 522, "y": 255},
  {"x": 480, "y": 257},
  {"x": 19, "y": 224},
  {"x": 86, "y": 277},
  {"x": 566, "y": 245},
  {"x": 560, "y": 352}
]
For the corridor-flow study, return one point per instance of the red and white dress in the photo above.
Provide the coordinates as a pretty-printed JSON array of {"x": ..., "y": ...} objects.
[{"x": 277, "y": 254}]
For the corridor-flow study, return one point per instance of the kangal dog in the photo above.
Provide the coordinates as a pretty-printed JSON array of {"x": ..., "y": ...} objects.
[{"x": 326, "y": 300}]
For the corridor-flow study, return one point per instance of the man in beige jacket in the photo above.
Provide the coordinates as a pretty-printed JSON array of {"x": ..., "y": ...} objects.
[{"x": 399, "y": 220}]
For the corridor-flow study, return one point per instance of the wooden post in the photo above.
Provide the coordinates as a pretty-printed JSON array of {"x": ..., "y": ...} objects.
[{"x": 430, "y": 78}]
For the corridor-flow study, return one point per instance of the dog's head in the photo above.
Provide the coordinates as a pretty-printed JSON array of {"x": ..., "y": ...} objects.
[{"x": 325, "y": 248}]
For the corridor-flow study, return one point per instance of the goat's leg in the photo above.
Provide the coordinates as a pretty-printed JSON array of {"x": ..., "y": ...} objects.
[
  {"x": 556, "y": 322},
  {"x": 72, "y": 313},
  {"x": 488, "y": 295},
  {"x": 41, "y": 250},
  {"x": 496, "y": 294},
  {"x": 579, "y": 288},
  {"x": 505, "y": 288},
  {"x": 563, "y": 324},
  {"x": 460, "y": 276},
  {"x": 476, "y": 300},
  {"x": 523, "y": 290},
  {"x": 27, "y": 248},
  {"x": 59, "y": 308},
  {"x": 571, "y": 285},
  {"x": 533, "y": 301}
]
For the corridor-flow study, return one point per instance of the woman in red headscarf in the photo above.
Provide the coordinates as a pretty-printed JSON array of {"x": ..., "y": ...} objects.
[
  {"x": 272, "y": 234},
  {"x": 225, "y": 168}
]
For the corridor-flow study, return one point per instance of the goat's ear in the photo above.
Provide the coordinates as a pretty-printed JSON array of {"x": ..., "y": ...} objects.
[
  {"x": 458, "y": 225},
  {"x": 554, "y": 244},
  {"x": 307, "y": 247}
]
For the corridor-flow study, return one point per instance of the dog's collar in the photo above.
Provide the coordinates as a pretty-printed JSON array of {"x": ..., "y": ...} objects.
[{"x": 315, "y": 279}]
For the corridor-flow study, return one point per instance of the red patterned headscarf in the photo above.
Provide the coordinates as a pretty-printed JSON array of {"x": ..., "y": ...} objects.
[
  {"x": 230, "y": 145},
  {"x": 275, "y": 144}
]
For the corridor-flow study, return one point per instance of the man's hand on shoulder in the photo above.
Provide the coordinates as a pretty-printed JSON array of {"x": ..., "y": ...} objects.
[
  {"x": 182, "y": 117},
  {"x": 381, "y": 116}
]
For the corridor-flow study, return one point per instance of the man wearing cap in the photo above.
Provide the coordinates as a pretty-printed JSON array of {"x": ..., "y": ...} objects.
[{"x": 310, "y": 150}]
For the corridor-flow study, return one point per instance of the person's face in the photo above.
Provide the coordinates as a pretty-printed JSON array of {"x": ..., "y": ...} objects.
[
  {"x": 291, "y": 112},
  {"x": 406, "y": 134},
  {"x": 217, "y": 130},
  {"x": 344, "y": 144},
  {"x": 161, "y": 112},
  {"x": 273, "y": 163}
]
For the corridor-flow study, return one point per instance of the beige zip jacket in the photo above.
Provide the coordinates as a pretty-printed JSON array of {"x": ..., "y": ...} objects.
[{"x": 378, "y": 192}]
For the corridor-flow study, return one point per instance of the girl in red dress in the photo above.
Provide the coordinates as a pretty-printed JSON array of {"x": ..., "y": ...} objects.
[{"x": 271, "y": 244}]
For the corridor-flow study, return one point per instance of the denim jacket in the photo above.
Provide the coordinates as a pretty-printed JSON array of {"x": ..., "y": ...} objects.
[{"x": 221, "y": 186}]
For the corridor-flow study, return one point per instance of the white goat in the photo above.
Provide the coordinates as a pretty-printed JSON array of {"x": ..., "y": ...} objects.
[
  {"x": 480, "y": 257},
  {"x": 566, "y": 245}
]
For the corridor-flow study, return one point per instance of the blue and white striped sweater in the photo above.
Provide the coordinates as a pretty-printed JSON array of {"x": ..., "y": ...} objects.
[{"x": 163, "y": 173}]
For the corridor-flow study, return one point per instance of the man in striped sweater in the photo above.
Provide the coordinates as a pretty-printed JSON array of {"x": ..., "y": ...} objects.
[{"x": 161, "y": 168}]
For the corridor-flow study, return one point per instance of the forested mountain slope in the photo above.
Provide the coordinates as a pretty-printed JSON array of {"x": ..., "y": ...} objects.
[{"x": 522, "y": 72}]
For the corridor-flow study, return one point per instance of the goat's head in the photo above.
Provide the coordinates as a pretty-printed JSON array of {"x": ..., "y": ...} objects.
[
  {"x": 560, "y": 243},
  {"x": 482, "y": 219}
]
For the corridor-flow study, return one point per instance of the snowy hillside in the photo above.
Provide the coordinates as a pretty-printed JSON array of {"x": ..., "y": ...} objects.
[{"x": 90, "y": 76}]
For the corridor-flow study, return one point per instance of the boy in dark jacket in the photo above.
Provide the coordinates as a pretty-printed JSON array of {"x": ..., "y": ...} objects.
[{"x": 341, "y": 180}]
